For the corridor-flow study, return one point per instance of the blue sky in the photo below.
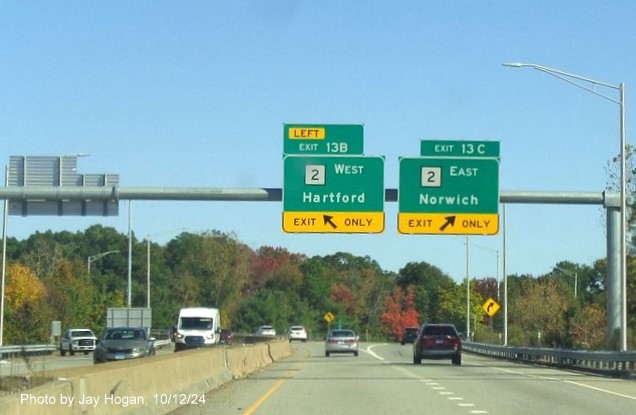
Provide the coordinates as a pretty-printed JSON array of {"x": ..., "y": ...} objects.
[{"x": 195, "y": 94}]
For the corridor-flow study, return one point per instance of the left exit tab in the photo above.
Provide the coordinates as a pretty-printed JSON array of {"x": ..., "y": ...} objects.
[
  {"x": 306, "y": 133},
  {"x": 325, "y": 139}
]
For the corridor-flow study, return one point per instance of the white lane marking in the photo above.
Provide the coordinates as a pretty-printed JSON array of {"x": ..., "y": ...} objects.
[
  {"x": 583, "y": 385},
  {"x": 600, "y": 390},
  {"x": 372, "y": 353},
  {"x": 427, "y": 382}
]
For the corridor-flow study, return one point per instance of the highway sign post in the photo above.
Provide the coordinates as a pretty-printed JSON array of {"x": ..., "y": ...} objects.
[
  {"x": 448, "y": 196},
  {"x": 314, "y": 139},
  {"x": 333, "y": 194}
]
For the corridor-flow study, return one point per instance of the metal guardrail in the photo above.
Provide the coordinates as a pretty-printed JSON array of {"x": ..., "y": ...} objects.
[
  {"x": 162, "y": 338},
  {"x": 612, "y": 363},
  {"x": 161, "y": 343},
  {"x": 7, "y": 352}
]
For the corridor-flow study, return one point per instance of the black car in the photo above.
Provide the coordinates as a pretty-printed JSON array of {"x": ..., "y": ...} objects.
[
  {"x": 409, "y": 335},
  {"x": 438, "y": 341}
]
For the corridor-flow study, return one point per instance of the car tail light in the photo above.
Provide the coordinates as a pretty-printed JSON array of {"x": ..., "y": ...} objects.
[{"x": 428, "y": 340}]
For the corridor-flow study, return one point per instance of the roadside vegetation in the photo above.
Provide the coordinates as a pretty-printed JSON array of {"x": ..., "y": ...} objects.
[{"x": 48, "y": 279}]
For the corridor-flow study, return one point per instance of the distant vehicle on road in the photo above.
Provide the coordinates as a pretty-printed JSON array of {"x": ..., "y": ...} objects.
[
  {"x": 121, "y": 343},
  {"x": 438, "y": 341},
  {"x": 77, "y": 340},
  {"x": 297, "y": 333},
  {"x": 409, "y": 335},
  {"x": 227, "y": 336},
  {"x": 341, "y": 341},
  {"x": 267, "y": 331},
  {"x": 197, "y": 327}
]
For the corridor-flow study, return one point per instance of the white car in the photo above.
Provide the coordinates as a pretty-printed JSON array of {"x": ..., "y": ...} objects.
[
  {"x": 267, "y": 331},
  {"x": 297, "y": 333}
]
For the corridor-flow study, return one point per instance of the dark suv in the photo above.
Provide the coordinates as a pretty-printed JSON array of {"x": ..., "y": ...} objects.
[
  {"x": 437, "y": 341},
  {"x": 409, "y": 335}
]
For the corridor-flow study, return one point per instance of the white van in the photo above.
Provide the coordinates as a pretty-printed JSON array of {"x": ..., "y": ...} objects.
[{"x": 197, "y": 327}]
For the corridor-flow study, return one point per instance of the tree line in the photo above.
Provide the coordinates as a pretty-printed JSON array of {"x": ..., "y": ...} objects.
[{"x": 48, "y": 279}]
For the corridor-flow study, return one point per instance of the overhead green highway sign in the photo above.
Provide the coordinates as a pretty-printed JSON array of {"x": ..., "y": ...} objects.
[
  {"x": 459, "y": 148},
  {"x": 319, "y": 139},
  {"x": 333, "y": 194},
  {"x": 448, "y": 195}
]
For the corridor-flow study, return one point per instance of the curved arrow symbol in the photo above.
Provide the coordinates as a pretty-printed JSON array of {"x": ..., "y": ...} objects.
[
  {"x": 490, "y": 305},
  {"x": 450, "y": 220},
  {"x": 327, "y": 220}
]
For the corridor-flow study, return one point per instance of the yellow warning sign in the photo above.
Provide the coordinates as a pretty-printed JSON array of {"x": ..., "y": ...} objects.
[
  {"x": 333, "y": 222},
  {"x": 329, "y": 317},
  {"x": 449, "y": 223},
  {"x": 490, "y": 307}
]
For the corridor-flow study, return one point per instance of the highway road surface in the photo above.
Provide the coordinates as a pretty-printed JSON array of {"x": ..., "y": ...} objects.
[{"x": 383, "y": 380}]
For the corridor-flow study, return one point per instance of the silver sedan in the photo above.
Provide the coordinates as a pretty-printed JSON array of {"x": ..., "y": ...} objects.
[{"x": 341, "y": 341}]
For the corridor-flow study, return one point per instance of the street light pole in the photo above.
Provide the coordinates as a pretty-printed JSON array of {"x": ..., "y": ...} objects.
[
  {"x": 468, "y": 337},
  {"x": 96, "y": 257},
  {"x": 572, "y": 79},
  {"x": 148, "y": 260},
  {"x": 148, "y": 269},
  {"x": 5, "y": 215},
  {"x": 571, "y": 274}
]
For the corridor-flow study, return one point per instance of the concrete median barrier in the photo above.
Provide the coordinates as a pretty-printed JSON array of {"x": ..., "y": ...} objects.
[
  {"x": 279, "y": 350},
  {"x": 155, "y": 385}
]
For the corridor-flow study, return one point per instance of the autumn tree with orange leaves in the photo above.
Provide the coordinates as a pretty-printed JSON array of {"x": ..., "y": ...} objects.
[{"x": 400, "y": 312}]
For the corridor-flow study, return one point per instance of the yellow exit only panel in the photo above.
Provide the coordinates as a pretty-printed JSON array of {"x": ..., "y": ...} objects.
[
  {"x": 449, "y": 223},
  {"x": 333, "y": 222}
]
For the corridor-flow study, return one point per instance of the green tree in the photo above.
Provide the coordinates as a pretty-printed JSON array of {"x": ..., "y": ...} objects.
[
  {"x": 541, "y": 310},
  {"x": 210, "y": 269},
  {"x": 265, "y": 307},
  {"x": 453, "y": 306},
  {"x": 71, "y": 295},
  {"x": 428, "y": 282},
  {"x": 315, "y": 286},
  {"x": 588, "y": 327}
]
